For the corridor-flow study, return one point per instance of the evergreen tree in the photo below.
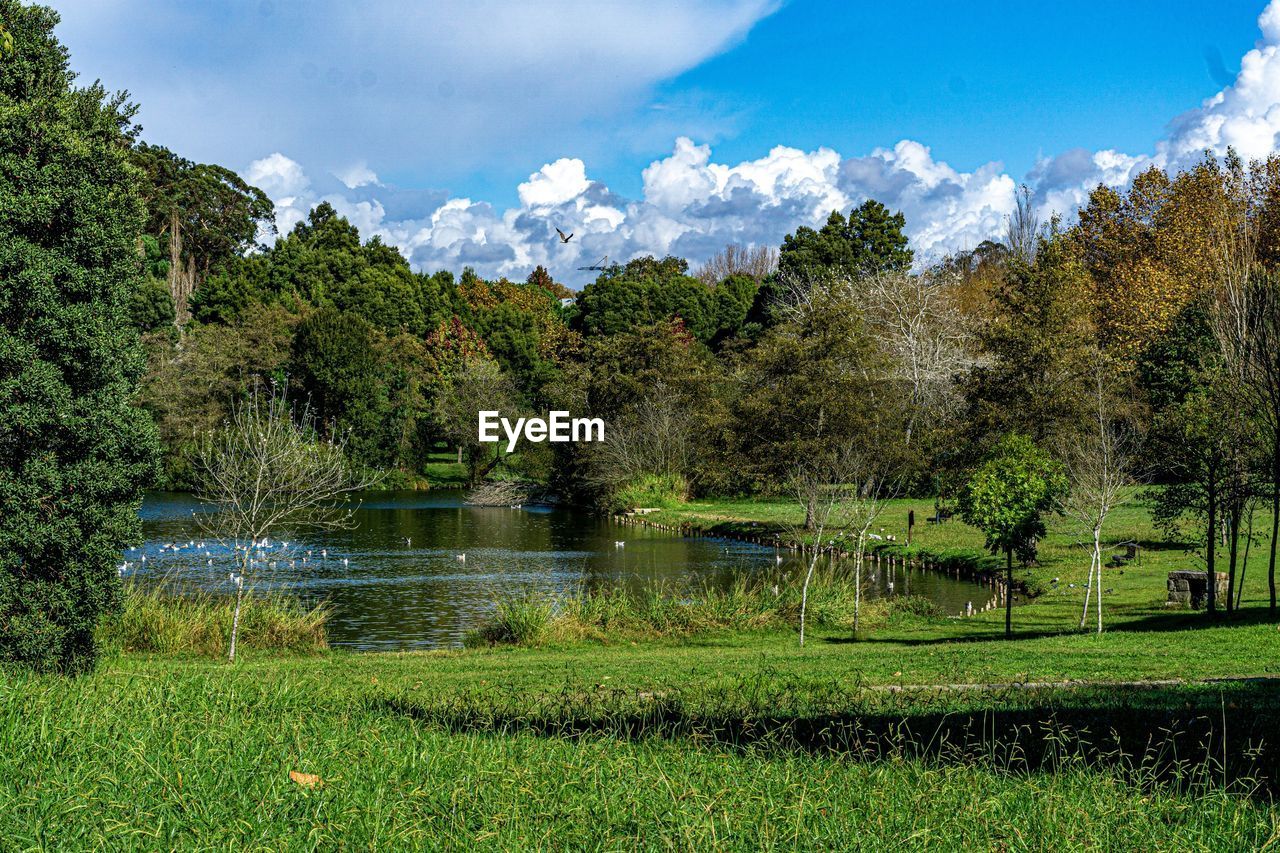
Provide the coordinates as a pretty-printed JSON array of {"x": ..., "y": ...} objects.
[
  {"x": 74, "y": 454},
  {"x": 870, "y": 241}
]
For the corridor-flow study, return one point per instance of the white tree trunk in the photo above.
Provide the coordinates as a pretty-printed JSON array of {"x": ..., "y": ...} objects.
[
  {"x": 804, "y": 593},
  {"x": 857, "y": 585},
  {"x": 235, "y": 627},
  {"x": 1088, "y": 590},
  {"x": 1097, "y": 549},
  {"x": 235, "y": 616}
]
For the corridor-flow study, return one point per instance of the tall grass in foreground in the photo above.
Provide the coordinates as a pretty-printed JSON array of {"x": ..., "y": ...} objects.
[
  {"x": 168, "y": 619},
  {"x": 165, "y": 754},
  {"x": 746, "y": 605}
]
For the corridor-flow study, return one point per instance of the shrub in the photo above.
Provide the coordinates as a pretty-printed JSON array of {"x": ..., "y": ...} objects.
[
  {"x": 663, "y": 491},
  {"x": 520, "y": 620}
]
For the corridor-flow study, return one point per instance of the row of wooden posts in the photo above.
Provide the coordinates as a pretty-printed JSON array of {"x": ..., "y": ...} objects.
[{"x": 890, "y": 561}]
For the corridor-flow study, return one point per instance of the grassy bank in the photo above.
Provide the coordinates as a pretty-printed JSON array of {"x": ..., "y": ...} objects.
[
  {"x": 168, "y": 619},
  {"x": 1134, "y": 591},
  {"x": 770, "y": 603}
]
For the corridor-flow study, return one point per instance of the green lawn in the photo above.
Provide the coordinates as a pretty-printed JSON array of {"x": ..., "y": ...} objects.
[
  {"x": 443, "y": 471},
  {"x": 722, "y": 745},
  {"x": 1139, "y": 589}
]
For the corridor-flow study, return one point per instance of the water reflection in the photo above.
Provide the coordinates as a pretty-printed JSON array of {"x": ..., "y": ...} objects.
[{"x": 420, "y": 568}]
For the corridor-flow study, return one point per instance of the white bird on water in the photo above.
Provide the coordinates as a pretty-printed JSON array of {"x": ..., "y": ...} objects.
[
  {"x": 344, "y": 561},
  {"x": 619, "y": 544},
  {"x": 461, "y": 558}
]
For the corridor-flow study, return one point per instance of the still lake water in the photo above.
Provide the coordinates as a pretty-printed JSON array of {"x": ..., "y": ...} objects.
[{"x": 395, "y": 580}]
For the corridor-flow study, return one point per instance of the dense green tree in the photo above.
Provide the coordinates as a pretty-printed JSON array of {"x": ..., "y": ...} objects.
[
  {"x": 1037, "y": 347},
  {"x": 151, "y": 303},
  {"x": 227, "y": 295},
  {"x": 337, "y": 361},
  {"x": 204, "y": 213},
  {"x": 644, "y": 292},
  {"x": 731, "y": 302},
  {"x": 322, "y": 263},
  {"x": 521, "y": 324},
  {"x": 870, "y": 241},
  {"x": 813, "y": 386},
  {"x": 1007, "y": 498},
  {"x": 514, "y": 338},
  {"x": 74, "y": 454}
]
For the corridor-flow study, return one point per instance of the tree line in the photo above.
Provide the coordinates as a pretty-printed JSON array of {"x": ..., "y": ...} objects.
[{"x": 1141, "y": 330}]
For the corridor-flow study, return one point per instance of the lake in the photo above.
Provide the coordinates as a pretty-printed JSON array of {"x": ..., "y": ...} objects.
[{"x": 395, "y": 581}]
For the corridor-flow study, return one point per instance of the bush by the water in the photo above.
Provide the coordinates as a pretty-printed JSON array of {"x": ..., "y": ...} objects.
[
  {"x": 167, "y": 620},
  {"x": 761, "y": 604},
  {"x": 652, "y": 490}
]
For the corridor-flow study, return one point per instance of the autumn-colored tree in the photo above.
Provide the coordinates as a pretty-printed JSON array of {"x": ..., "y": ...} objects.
[{"x": 1154, "y": 249}]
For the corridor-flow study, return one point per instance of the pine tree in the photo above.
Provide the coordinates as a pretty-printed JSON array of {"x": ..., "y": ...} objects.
[{"x": 870, "y": 241}]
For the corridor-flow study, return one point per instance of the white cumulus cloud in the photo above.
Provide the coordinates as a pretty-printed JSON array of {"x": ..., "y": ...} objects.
[{"x": 691, "y": 205}]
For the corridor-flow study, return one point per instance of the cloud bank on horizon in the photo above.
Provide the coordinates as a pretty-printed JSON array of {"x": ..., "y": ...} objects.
[{"x": 692, "y": 206}]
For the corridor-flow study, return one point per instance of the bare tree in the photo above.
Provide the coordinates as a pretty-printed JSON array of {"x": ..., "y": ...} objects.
[
  {"x": 842, "y": 494},
  {"x": 925, "y": 337},
  {"x": 1023, "y": 231},
  {"x": 820, "y": 491},
  {"x": 758, "y": 262},
  {"x": 862, "y": 508},
  {"x": 1098, "y": 467},
  {"x": 269, "y": 471},
  {"x": 655, "y": 435},
  {"x": 508, "y": 493}
]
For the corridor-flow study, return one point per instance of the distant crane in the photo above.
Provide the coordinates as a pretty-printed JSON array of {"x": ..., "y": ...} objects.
[{"x": 599, "y": 266}]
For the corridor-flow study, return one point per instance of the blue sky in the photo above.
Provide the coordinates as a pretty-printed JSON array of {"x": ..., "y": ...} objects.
[
  {"x": 976, "y": 81},
  {"x": 463, "y": 131}
]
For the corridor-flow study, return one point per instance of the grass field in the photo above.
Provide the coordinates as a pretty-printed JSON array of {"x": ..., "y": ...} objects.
[
  {"x": 722, "y": 739},
  {"x": 736, "y": 744}
]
